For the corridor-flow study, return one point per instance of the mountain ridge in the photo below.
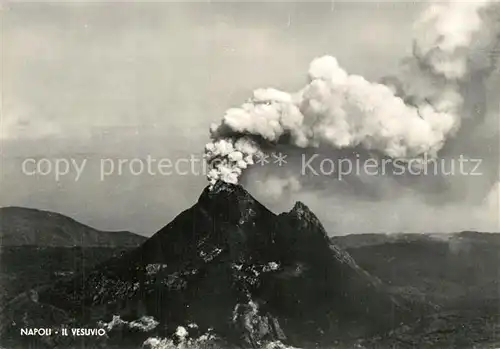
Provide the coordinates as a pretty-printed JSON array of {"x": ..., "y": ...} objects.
[
  {"x": 227, "y": 266},
  {"x": 21, "y": 226},
  {"x": 230, "y": 264}
]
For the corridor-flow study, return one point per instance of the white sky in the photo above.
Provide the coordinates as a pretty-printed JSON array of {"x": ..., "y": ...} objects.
[{"x": 126, "y": 80}]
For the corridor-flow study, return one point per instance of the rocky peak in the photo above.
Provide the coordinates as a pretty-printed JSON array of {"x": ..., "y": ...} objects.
[
  {"x": 303, "y": 214},
  {"x": 300, "y": 208},
  {"x": 229, "y": 202}
]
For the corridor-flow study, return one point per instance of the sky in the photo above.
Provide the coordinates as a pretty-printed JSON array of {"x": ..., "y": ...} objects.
[{"x": 106, "y": 82}]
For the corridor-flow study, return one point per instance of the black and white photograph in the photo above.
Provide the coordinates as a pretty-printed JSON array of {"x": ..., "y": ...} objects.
[{"x": 269, "y": 174}]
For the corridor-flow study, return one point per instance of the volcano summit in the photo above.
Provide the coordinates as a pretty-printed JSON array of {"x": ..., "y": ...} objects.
[{"x": 230, "y": 266}]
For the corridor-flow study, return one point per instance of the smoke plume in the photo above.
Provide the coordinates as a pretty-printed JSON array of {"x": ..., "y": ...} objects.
[{"x": 405, "y": 116}]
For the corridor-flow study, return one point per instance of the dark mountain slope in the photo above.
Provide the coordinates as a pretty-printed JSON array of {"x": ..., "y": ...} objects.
[
  {"x": 27, "y": 267},
  {"x": 21, "y": 226},
  {"x": 230, "y": 264}
]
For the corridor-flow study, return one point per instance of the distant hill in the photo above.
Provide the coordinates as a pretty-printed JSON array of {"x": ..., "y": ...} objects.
[
  {"x": 458, "y": 270},
  {"x": 458, "y": 273},
  {"x": 461, "y": 238},
  {"x": 21, "y": 226}
]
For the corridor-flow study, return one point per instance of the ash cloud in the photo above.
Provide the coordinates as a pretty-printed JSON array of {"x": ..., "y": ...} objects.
[{"x": 441, "y": 103}]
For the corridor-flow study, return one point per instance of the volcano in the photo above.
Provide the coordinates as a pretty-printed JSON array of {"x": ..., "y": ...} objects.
[{"x": 231, "y": 266}]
